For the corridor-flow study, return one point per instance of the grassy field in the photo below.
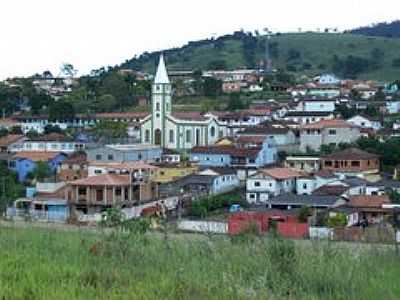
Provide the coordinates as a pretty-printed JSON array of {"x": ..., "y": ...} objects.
[
  {"x": 46, "y": 264},
  {"x": 315, "y": 49}
]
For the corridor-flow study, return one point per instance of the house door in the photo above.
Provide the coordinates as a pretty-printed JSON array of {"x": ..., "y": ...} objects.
[
  {"x": 99, "y": 195},
  {"x": 157, "y": 137}
]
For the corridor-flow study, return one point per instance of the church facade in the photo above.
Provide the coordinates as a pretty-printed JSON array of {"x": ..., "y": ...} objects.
[{"x": 180, "y": 130}]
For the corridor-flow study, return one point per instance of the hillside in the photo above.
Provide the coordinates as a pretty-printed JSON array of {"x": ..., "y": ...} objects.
[
  {"x": 301, "y": 53},
  {"x": 381, "y": 29}
]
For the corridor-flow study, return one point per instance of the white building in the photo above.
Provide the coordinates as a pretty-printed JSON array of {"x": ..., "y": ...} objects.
[
  {"x": 268, "y": 183},
  {"x": 365, "y": 122},
  {"x": 177, "y": 130}
]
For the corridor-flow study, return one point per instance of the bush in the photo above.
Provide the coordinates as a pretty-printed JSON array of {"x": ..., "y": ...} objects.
[{"x": 339, "y": 220}]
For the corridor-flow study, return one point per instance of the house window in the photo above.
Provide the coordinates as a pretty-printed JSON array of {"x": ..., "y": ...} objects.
[
  {"x": 98, "y": 157},
  {"x": 188, "y": 136},
  {"x": 332, "y": 132},
  {"x": 304, "y": 186},
  {"x": 252, "y": 160},
  {"x": 97, "y": 171},
  {"x": 257, "y": 183},
  {"x": 118, "y": 192},
  {"x": 110, "y": 157},
  {"x": 139, "y": 156},
  {"x": 82, "y": 191},
  {"x": 147, "y": 136},
  {"x": 171, "y": 136},
  {"x": 252, "y": 196},
  {"x": 355, "y": 163}
]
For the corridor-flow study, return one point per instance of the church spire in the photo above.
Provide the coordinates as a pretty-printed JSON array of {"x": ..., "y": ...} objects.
[{"x": 161, "y": 75}]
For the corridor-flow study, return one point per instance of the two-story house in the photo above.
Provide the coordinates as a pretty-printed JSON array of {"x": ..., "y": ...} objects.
[
  {"x": 327, "y": 132},
  {"x": 267, "y": 183}
]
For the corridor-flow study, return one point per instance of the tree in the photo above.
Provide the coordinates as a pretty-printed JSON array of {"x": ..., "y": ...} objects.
[
  {"x": 52, "y": 129},
  {"x": 41, "y": 172},
  {"x": 212, "y": 87},
  {"x": 304, "y": 213},
  {"x": 338, "y": 220},
  {"x": 61, "y": 110},
  {"x": 110, "y": 129},
  {"x": 235, "y": 103},
  {"x": 106, "y": 103},
  {"x": 68, "y": 69},
  {"x": 218, "y": 64},
  {"x": 10, "y": 188}
]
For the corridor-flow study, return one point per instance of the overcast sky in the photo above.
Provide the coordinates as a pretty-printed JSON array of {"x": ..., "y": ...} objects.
[{"x": 38, "y": 35}]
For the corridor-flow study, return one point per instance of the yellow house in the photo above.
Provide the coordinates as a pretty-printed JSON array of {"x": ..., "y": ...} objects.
[{"x": 170, "y": 172}]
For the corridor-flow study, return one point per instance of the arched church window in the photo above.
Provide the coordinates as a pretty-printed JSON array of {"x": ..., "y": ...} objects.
[
  {"x": 157, "y": 106},
  {"x": 212, "y": 131},
  {"x": 147, "y": 136},
  {"x": 188, "y": 136},
  {"x": 171, "y": 135}
]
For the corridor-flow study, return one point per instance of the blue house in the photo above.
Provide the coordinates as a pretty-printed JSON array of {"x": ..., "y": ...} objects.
[
  {"x": 49, "y": 210},
  {"x": 24, "y": 163},
  {"x": 236, "y": 156}
]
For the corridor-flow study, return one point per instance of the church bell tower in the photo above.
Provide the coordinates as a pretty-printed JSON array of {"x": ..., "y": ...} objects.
[{"x": 161, "y": 103}]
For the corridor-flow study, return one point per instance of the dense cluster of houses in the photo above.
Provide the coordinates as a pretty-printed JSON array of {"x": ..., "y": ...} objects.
[{"x": 270, "y": 152}]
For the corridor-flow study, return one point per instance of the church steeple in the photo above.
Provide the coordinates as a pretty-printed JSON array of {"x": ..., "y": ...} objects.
[{"x": 161, "y": 75}]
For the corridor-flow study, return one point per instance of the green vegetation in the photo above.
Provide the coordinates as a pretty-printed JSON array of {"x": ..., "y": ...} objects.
[
  {"x": 10, "y": 188},
  {"x": 39, "y": 264},
  {"x": 301, "y": 53},
  {"x": 214, "y": 204}
]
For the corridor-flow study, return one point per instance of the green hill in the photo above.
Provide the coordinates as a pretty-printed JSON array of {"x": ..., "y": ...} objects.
[{"x": 309, "y": 53}]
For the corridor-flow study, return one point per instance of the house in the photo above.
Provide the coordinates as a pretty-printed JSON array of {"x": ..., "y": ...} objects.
[
  {"x": 316, "y": 105},
  {"x": 365, "y": 122},
  {"x": 170, "y": 156},
  {"x": 307, "y": 184},
  {"x": 24, "y": 163},
  {"x": 279, "y": 134},
  {"x": 329, "y": 79},
  {"x": 53, "y": 142},
  {"x": 210, "y": 181},
  {"x": 308, "y": 164},
  {"x": 328, "y": 91},
  {"x": 125, "y": 153},
  {"x": 351, "y": 161},
  {"x": 366, "y": 210},
  {"x": 393, "y": 107},
  {"x": 95, "y": 194},
  {"x": 10, "y": 141},
  {"x": 327, "y": 132},
  {"x": 73, "y": 168},
  {"x": 45, "y": 210},
  {"x": 231, "y": 86},
  {"x": 168, "y": 172},
  {"x": 291, "y": 201},
  {"x": 270, "y": 182},
  {"x": 308, "y": 117},
  {"x": 139, "y": 169}
]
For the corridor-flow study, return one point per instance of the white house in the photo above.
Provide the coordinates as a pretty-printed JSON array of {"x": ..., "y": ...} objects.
[
  {"x": 268, "y": 183},
  {"x": 328, "y": 79},
  {"x": 317, "y": 104},
  {"x": 365, "y": 122}
]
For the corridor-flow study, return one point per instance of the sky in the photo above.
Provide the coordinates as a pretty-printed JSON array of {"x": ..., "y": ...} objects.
[{"x": 39, "y": 35}]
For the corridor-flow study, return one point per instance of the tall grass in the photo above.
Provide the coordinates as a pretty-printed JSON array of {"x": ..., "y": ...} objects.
[{"x": 39, "y": 264}]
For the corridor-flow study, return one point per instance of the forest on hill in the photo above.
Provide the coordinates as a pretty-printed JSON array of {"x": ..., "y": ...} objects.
[{"x": 310, "y": 53}]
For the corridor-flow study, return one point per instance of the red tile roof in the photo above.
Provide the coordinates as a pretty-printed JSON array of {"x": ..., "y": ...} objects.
[
  {"x": 189, "y": 116},
  {"x": 335, "y": 123},
  {"x": 36, "y": 155},
  {"x": 281, "y": 173},
  {"x": 9, "y": 139},
  {"x": 351, "y": 154},
  {"x": 103, "y": 180},
  {"x": 368, "y": 201}
]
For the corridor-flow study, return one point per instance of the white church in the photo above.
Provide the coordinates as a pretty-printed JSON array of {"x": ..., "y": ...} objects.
[{"x": 176, "y": 130}]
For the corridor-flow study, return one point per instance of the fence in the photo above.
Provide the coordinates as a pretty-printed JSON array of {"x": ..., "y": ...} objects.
[{"x": 203, "y": 226}]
